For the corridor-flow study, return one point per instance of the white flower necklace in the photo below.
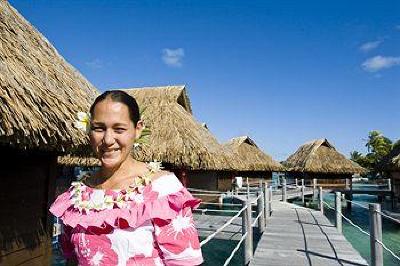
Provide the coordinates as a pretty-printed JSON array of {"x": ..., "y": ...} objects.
[{"x": 101, "y": 199}]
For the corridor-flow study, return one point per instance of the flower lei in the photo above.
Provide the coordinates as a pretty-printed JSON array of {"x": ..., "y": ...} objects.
[{"x": 100, "y": 200}]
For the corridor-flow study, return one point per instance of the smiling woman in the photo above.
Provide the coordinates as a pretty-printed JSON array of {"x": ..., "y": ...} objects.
[{"x": 129, "y": 212}]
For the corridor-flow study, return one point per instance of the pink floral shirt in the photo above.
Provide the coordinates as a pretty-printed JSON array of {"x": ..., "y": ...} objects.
[{"x": 147, "y": 225}]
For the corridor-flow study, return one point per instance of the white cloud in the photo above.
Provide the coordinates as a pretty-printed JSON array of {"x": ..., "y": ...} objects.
[
  {"x": 378, "y": 62},
  {"x": 368, "y": 46},
  {"x": 95, "y": 63},
  {"x": 173, "y": 57}
]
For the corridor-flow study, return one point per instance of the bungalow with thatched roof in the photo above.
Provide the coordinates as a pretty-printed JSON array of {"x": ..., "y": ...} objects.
[
  {"x": 257, "y": 164},
  {"x": 179, "y": 141},
  {"x": 40, "y": 94},
  {"x": 392, "y": 166},
  {"x": 319, "y": 159}
]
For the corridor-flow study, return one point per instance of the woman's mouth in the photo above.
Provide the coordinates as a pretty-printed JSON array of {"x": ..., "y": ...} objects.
[{"x": 110, "y": 153}]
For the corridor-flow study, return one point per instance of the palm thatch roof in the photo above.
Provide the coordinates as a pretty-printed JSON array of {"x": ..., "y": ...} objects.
[
  {"x": 319, "y": 156},
  {"x": 40, "y": 93},
  {"x": 176, "y": 137},
  {"x": 71, "y": 161},
  {"x": 254, "y": 159},
  {"x": 167, "y": 94}
]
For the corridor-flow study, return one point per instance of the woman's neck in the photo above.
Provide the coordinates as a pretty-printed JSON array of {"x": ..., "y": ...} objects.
[{"x": 112, "y": 175}]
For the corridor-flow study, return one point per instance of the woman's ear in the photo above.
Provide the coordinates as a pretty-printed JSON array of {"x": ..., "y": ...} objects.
[{"x": 139, "y": 128}]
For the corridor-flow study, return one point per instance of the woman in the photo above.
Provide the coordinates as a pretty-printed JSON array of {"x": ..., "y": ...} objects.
[{"x": 129, "y": 212}]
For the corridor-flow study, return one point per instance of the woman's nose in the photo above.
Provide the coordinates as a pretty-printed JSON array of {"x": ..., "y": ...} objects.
[{"x": 108, "y": 137}]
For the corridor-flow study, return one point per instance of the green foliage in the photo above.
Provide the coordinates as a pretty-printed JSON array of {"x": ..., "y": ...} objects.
[{"x": 378, "y": 147}]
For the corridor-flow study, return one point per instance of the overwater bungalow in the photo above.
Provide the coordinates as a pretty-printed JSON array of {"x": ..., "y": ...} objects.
[
  {"x": 40, "y": 94},
  {"x": 320, "y": 160},
  {"x": 392, "y": 167},
  {"x": 257, "y": 164},
  {"x": 179, "y": 141}
]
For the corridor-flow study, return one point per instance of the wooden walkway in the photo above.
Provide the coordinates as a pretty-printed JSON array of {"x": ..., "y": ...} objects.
[{"x": 301, "y": 236}]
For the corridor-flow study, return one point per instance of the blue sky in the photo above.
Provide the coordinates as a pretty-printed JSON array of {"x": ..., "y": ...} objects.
[{"x": 282, "y": 72}]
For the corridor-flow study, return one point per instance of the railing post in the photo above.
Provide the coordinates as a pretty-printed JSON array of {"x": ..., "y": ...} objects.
[
  {"x": 246, "y": 228},
  {"x": 260, "y": 209},
  {"x": 338, "y": 211},
  {"x": 284, "y": 189},
  {"x": 270, "y": 201},
  {"x": 221, "y": 200},
  {"x": 314, "y": 188},
  {"x": 321, "y": 200},
  {"x": 389, "y": 184},
  {"x": 302, "y": 195},
  {"x": 295, "y": 180},
  {"x": 266, "y": 202},
  {"x": 375, "y": 221},
  {"x": 248, "y": 188}
]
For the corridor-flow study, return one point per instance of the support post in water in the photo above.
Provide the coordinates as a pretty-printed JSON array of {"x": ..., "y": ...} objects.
[
  {"x": 284, "y": 197},
  {"x": 246, "y": 228},
  {"x": 321, "y": 200},
  {"x": 295, "y": 181},
  {"x": 338, "y": 211},
  {"x": 261, "y": 210},
  {"x": 375, "y": 225},
  {"x": 302, "y": 195},
  {"x": 266, "y": 202}
]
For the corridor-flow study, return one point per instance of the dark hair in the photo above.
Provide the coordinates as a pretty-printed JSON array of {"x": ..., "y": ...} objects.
[{"x": 120, "y": 97}]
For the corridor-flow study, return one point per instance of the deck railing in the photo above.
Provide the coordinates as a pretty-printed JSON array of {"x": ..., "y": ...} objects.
[
  {"x": 375, "y": 220},
  {"x": 262, "y": 201}
]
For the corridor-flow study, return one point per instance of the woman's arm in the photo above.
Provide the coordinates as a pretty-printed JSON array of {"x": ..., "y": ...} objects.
[{"x": 178, "y": 240}]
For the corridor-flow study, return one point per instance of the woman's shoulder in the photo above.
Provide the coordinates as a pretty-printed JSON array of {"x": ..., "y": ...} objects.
[{"x": 165, "y": 183}]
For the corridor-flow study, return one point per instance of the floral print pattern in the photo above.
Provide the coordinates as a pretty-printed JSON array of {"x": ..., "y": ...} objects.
[{"x": 163, "y": 233}]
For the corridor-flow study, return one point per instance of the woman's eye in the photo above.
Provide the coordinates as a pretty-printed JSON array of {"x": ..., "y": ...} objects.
[
  {"x": 97, "y": 129},
  {"x": 119, "y": 130}
]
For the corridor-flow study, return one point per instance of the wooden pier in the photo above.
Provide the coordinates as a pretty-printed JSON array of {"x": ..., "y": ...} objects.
[{"x": 299, "y": 236}]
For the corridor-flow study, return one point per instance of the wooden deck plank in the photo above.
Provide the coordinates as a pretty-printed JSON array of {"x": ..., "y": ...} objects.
[{"x": 301, "y": 236}]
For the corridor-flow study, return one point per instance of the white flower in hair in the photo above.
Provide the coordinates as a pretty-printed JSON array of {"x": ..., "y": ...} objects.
[{"x": 83, "y": 122}]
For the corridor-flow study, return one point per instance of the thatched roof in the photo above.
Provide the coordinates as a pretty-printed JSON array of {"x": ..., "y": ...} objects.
[
  {"x": 319, "y": 156},
  {"x": 68, "y": 160},
  {"x": 168, "y": 94},
  {"x": 392, "y": 161},
  {"x": 176, "y": 137},
  {"x": 253, "y": 158},
  {"x": 40, "y": 93}
]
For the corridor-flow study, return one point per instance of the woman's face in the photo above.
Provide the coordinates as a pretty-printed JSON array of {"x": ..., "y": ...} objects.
[{"x": 112, "y": 133}]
